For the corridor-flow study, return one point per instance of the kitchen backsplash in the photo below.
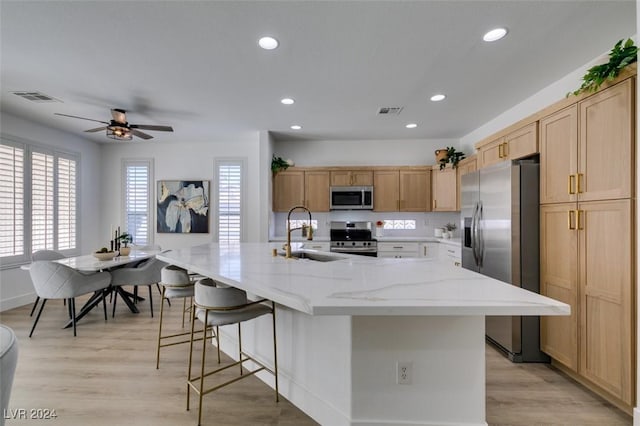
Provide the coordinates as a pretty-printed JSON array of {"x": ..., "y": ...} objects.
[{"x": 425, "y": 223}]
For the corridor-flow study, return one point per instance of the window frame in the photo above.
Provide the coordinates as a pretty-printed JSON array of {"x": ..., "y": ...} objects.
[
  {"x": 150, "y": 188},
  {"x": 242, "y": 161},
  {"x": 29, "y": 148}
]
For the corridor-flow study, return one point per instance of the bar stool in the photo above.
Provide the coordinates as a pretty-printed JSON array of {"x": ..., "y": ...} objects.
[
  {"x": 215, "y": 305},
  {"x": 176, "y": 284}
]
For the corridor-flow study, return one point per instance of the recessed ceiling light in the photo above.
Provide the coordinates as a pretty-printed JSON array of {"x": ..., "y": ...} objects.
[
  {"x": 268, "y": 43},
  {"x": 411, "y": 126},
  {"x": 287, "y": 101},
  {"x": 438, "y": 97},
  {"x": 495, "y": 34},
  {"x": 296, "y": 127}
]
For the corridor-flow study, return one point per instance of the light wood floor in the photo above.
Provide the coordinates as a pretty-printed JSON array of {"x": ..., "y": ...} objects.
[{"x": 106, "y": 376}]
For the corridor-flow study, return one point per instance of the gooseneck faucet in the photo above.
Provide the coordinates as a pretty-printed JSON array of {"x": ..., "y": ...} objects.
[{"x": 305, "y": 228}]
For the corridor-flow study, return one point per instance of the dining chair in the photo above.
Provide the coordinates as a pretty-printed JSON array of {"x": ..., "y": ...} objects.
[
  {"x": 148, "y": 273},
  {"x": 55, "y": 281},
  {"x": 44, "y": 255},
  {"x": 215, "y": 305}
]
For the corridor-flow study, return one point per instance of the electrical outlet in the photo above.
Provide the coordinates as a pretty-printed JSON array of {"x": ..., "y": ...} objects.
[{"x": 404, "y": 372}]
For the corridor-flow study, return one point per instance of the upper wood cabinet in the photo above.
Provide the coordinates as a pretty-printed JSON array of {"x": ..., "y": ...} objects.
[
  {"x": 465, "y": 166},
  {"x": 386, "y": 190},
  {"x": 444, "y": 189},
  {"x": 587, "y": 150},
  {"x": 288, "y": 190},
  {"x": 351, "y": 177},
  {"x": 407, "y": 190},
  {"x": 316, "y": 190},
  {"x": 415, "y": 190},
  {"x": 297, "y": 187},
  {"x": 517, "y": 144}
]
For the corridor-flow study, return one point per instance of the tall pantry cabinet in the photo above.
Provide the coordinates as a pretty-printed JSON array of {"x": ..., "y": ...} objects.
[{"x": 587, "y": 169}]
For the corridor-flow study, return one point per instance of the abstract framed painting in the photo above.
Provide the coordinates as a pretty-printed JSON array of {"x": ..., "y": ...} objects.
[{"x": 183, "y": 206}]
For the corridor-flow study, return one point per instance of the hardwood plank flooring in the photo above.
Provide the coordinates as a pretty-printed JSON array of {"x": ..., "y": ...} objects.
[{"x": 107, "y": 376}]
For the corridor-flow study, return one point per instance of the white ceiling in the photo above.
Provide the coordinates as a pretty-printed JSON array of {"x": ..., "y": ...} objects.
[{"x": 196, "y": 65}]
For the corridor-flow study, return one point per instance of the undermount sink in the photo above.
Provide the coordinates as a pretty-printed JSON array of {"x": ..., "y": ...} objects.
[{"x": 318, "y": 257}]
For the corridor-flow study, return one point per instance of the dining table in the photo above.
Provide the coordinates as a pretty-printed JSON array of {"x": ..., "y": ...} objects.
[{"x": 91, "y": 264}]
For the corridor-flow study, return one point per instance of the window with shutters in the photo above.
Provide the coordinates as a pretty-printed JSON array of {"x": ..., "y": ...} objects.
[
  {"x": 230, "y": 194},
  {"x": 38, "y": 190},
  {"x": 137, "y": 200}
]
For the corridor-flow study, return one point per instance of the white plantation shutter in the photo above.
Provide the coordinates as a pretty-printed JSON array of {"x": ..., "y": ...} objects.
[
  {"x": 11, "y": 201},
  {"x": 66, "y": 204},
  {"x": 229, "y": 201},
  {"x": 42, "y": 208},
  {"x": 137, "y": 175}
]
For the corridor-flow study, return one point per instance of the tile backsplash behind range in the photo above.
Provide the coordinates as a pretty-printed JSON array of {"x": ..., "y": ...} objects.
[{"x": 425, "y": 222}]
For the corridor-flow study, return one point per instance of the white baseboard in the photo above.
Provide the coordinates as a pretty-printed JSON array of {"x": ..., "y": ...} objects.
[
  {"x": 636, "y": 416},
  {"x": 16, "y": 302}
]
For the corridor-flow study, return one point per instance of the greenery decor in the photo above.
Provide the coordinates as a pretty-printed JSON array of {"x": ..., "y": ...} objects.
[
  {"x": 620, "y": 56},
  {"x": 452, "y": 157},
  {"x": 125, "y": 238},
  {"x": 277, "y": 164}
]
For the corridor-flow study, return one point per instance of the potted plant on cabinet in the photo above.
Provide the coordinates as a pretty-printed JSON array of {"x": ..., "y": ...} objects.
[{"x": 452, "y": 156}]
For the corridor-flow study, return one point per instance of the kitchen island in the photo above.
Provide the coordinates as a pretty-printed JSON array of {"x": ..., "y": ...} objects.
[{"x": 344, "y": 325}]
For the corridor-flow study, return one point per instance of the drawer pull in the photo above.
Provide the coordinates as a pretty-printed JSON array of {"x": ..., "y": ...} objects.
[{"x": 398, "y": 247}]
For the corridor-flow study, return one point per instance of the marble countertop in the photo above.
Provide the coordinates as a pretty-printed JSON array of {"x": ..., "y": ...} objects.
[{"x": 360, "y": 285}]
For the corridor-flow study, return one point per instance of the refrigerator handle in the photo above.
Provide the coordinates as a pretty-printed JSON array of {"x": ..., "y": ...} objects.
[
  {"x": 474, "y": 234},
  {"x": 480, "y": 237}
]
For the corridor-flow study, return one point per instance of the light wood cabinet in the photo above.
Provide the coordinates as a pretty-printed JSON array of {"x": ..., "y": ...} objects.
[
  {"x": 444, "y": 189},
  {"x": 587, "y": 150},
  {"x": 288, "y": 190},
  {"x": 406, "y": 190},
  {"x": 351, "y": 177},
  {"x": 606, "y": 311},
  {"x": 465, "y": 166},
  {"x": 299, "y": 187},
  {"x": 517, "y": 144},
  {"x": 415, "y": 190},
  {"x": 586, "y": 262},
  {"x": 316, "y": 190},
  {"x": 559, "y": 280},
  {"x": 386, "y": 190},
  {"x": 587, "y": 253}
]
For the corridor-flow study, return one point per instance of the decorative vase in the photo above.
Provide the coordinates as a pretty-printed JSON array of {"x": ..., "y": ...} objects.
[
  {"x": 124, "y": 251},
  {"x": 441, "y": 154},
  {"x": 379, "y": 231}
]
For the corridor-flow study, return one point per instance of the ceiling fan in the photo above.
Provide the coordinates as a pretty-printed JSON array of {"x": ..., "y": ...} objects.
[{"x": 119, "y": 129}]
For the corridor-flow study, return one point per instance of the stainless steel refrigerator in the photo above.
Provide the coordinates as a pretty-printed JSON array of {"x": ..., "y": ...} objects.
[{"x": 500, "y": 223}]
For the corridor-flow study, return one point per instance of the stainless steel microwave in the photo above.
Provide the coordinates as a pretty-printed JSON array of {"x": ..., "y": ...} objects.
[{"x": 351, "y": 198}]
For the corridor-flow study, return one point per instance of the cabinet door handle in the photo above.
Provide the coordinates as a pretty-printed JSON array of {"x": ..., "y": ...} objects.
[
  {"x": 571, "y": 184},
  {"x": 457, "y": 263},
  {"x": 434, "y": 204},
  {"x": 580, "y": 177},
  {"x": 580, "y": 223},
  {"x": 505, "y": 150},
  {"x": 425, "y": 250},
  {"x": 500, "y": 151},
  {"x": 570, "y": 220}
]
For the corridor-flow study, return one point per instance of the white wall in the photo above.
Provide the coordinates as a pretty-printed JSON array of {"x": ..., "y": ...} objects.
[
  {"x": 176, "y": 161},
  {"x": 410, "y": 152},
  {"x": 15, "y": 285}
]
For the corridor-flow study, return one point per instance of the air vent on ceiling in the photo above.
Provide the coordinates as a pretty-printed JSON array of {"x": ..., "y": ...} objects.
[
  {"x": 36, "y": 96},
  {"x": 390, "y": 110}
]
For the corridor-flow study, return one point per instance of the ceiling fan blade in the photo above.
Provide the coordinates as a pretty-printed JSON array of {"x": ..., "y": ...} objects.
[
  {"x": 119, "y": 115},
  {"x": 81, "y": 118},
  {"x": 141, "y": 134},
  {"x": 97, "y": 129},
  {"x": 151, "y": 127}
]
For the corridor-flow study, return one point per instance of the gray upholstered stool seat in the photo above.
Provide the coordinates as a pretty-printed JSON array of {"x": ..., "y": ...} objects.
[
  {"x": 216, "y": 305},
  {"x": 8, "y": 361},
  {"x": 176, "y": 283}
]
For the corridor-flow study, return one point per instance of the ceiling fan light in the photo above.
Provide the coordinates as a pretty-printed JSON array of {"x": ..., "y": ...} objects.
[{"x": 119, "y": 133}]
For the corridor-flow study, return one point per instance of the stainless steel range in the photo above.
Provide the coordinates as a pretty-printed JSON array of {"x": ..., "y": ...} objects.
[{"x": 353, "y": 238}]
